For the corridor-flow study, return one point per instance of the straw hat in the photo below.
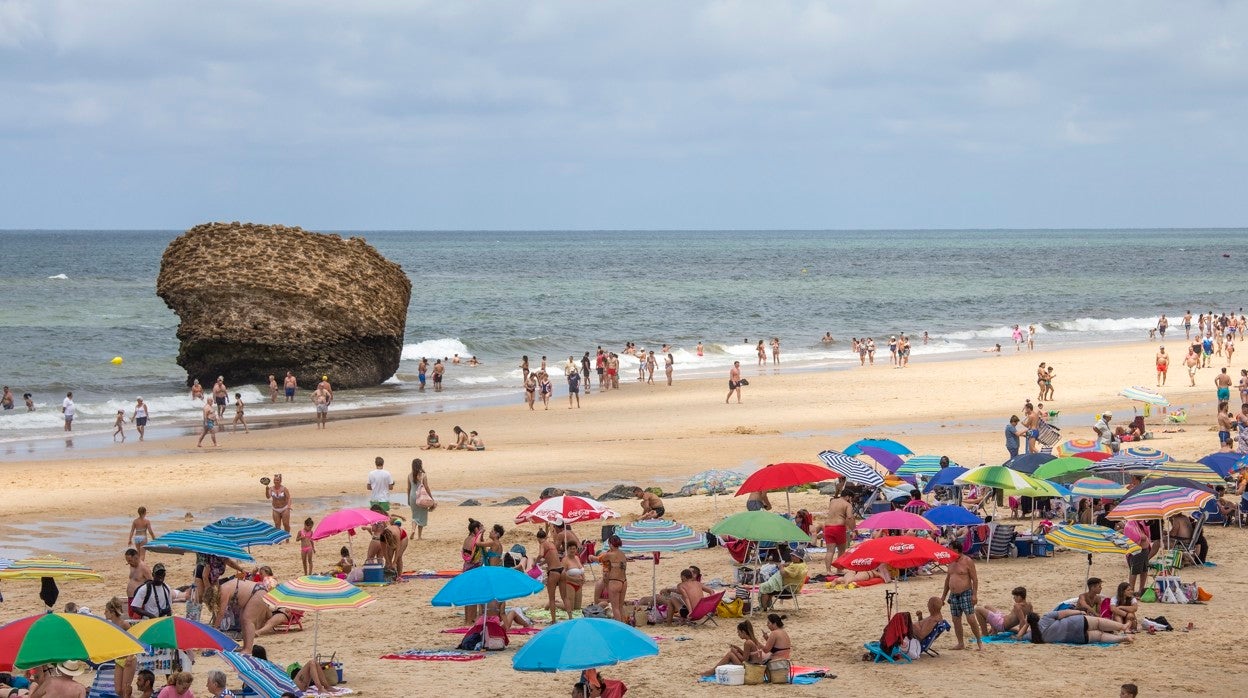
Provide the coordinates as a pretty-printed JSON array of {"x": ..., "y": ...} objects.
[{"x": 73, "y": 668}]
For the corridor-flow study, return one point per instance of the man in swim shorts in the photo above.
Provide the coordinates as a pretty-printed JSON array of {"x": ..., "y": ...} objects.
[
  {"x": 290, "y": 384},
  {"x": 962, "y": 593},
  {"x": 1163, "y": 365},
  {"x": 1223, "y": 383},
  {"x": 438, "y": 370},
  {"x": 837, "y": 528},
  {"x": 220, "y": 395}
]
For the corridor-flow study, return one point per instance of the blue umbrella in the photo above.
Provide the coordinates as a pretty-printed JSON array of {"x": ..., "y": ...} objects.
[
  {"x": 261, "y": 675},
  {"x": 952, "y": 515},
  {"x": 1224, "y": 463},
  {"x": 583, "y": 643},
  {"x": 944, "y": 478},
  {"x": 247, "y": 532},
  {"x": 485, "y": 584},
  {"x": 893, "y": 447},
  {"x": 192, "y": 540},
  {"x": 889, "y": 460},
  {"x": 1028, "y": 462}
]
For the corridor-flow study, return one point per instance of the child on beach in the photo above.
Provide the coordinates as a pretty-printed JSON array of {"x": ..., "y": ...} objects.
[
  {"x": 119, "y": 429},
  {"x": 345, "y": 563},
  {"x": 306, "y": 545},
  {"x": 140, "y": 532}
]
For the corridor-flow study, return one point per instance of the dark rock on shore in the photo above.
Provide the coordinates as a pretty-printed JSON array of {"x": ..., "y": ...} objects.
[
  {"x": 617, "y": 492},
  {"x": 470, "y": 503},
  {"x": 559, "y": 491},
  {"x": 515, "y": 502}
]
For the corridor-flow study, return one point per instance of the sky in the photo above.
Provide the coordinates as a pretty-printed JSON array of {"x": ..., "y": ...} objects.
[{"x": 546, "y": 114}]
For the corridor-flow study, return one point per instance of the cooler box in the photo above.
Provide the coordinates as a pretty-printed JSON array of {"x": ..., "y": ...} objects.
[
  {"x": 730, "y": 675},
  {"x": 374, "y": 573},
  {"x": 1024, "y": 547}
]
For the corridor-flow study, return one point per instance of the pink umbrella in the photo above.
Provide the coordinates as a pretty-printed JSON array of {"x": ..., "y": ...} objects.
[
  {"x": 897, "y": 519},
  {"x": 346, "y": 520},
  {"x": 566, "y": 509}
]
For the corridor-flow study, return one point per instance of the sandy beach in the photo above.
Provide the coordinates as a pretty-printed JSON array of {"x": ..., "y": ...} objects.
[{"x": 656, "y": 435}]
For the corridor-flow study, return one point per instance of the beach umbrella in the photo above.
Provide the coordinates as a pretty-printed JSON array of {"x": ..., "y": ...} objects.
[
  {"x": 1160, "y": 503},
  {"x": 897, "y": 551},
  {"x": 851, "y": 468},
  {"x": 1092, "y": 539},
  {"x": 945, "y": 478},
  {"x": 482, "y": 585},
  {"x": 192, "y": 540},
  {"x": 1075, "y": 446},
  {"x": 247, "y": 532},
  {"x": 785, "y": 475},
  {"x": 261, "y": 675},
  {"x": 713, "y": 482},
  {"x": 1221, "y": 463},
  {"x": 1003, "y": 478},
  {"x": 1062, "y": 467},
  {"x": 317, "y": 593},
  {"x": 171, "y": 632},
  {"x": 896, "y": 520},
  {"x": 1094, "y": 456},
  {"x": 760, "y": 526},
  {"x": 566, "y": 509},
  {"x": 921, "y": 466},
  {"x": 1098, "y": 488},
  {"x": 49, "y": 638},
  {"x": 887, "y": 460},
  {"x": 889, "y": 445},
  {"x": 952, "y": 515},
  {"x": 1027, "y": 463},
  {"x": 51, "y": 567},
  {"x": 346, "y": 520},
  {"x": 1196, "y": 472},
  {"x": 584, "y": 643},
  {"x": 658, "y": 536},
  {"x": 1139, "y": 454},
  {"x": 1146, "y": 395}
]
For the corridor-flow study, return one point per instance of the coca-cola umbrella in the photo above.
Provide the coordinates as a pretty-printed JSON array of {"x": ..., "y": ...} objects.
[
  {"x": 779, "y": 476},
  {"x": 897, "y": 551},
  {"x": 565, "y": 509}
]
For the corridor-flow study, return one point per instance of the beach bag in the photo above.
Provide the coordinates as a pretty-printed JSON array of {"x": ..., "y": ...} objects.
[
  {"x": 594, "y": 611},
  {"x": 754, "y": 674},
  {"x": 747, "y": 575},
  {"x": 471, "y": 642},
  {"x": 423, "y": 500},
  {"x": 1202, "y": 595},
  {"x": 779, "y": 671},
  {"x": 730, "y": 609}
]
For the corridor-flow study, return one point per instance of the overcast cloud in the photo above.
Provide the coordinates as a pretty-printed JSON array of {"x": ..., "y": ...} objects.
[{"x": 586, "y": 114}]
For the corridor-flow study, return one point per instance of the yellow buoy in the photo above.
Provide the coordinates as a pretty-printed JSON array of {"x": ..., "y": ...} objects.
[{"x": 116, "y": 361}]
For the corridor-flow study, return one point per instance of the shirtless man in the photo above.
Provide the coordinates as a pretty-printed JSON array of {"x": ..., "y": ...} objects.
[
  {"x": 438, "y": 370},
  {"x": 1031, "y": 423},
  {"x": 290, "y": 384},
  {"x": 139, "y": 575},
  {"x": 1223, "y": 384},
  {"x": 995, "y": 621},
  {"x": 197, "y": 390},
  {"x": 1163, "y": 365},
  {"x": 550, "y": 558},
  {"x": 1187, "y": 323},
  {"x": 1089, "y": 602},
  {"x": 837, "y": 528},
  {"x": 1192, "y": 362},
  {"x": 687, "y": 595},
  {"x": 1226, "y": 422},
  {"x": 962, "y": 593},
  {"x": 209, "y": 425},
  {"x": 324, "y": 385},
  {"x": 924, "y": 626},
  {"x": 321, "y": 399},
  {"x": 651, "y": 506},
  {"x": 57, "y": 681},
  {"x": 734, "y": 382},
  {"x": 279, "y": 498},
  {"x": 140, "y": 533},
  {"x": 219, "y": 396},
  {"x": 246, "y": 600}
]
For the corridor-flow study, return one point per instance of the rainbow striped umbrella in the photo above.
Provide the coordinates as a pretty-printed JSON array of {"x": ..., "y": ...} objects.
[
  {"x": 921, "y": 466},
  {"x": 171, "y": 632},
  {"x": 1098, "y": 488},
  {"x": 247, "y": 532},
  {"x": 49, "y": 638},
  {"x": 318, "y": 593},
  {"x": 1196, "y": 472},
  {"x": 1092, "y": 539},
  {"x": 1160, "y": 503},
  {"x": 54, "y": 567},
  {"x": 659, "y": 536},
  {"x": 1073, "y": 446}
]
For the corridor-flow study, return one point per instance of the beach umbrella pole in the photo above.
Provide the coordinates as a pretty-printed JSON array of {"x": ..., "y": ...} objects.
[{"x": 1088, "y": 575}]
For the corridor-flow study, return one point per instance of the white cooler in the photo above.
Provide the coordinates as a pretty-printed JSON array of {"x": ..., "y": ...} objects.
[{"x": 730, "y": 675}]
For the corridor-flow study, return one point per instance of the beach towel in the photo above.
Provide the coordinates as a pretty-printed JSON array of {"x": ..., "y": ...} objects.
[
  {"x": 1008, "y": 638},
  {"x": 802, "y": 675},
  {"x": 436, "y": 655},
  {"x": 515, "y": 630},
  {"x": 335, "y": 691},
  {"x": 428, "y": 574},
  {"x": 543, "y": 614}
]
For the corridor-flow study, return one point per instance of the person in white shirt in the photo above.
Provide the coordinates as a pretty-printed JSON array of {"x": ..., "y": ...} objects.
[
  {"x": 67, "y": 409},
  {"x": 379, "y": 485},
  {"x": 154, "y": 598}
]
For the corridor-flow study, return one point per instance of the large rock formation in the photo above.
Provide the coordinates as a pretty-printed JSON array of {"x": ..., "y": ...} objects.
[{"x": 260, "y": 299}]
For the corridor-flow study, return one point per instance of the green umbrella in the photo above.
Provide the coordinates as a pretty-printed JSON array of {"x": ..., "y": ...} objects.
[
  {"x": 760, "y": 525},
  {"x": 1061, "y": 467},
  {"x": 1003, "y": 478}
]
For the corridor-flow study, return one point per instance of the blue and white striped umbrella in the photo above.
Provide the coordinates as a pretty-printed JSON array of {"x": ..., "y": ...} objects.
[
  {"x": 193, "y": 540},
  {"x": 247, "y": 532},
  {"x": 261, "y": 675},
  {"x": 853, "y": 469}
]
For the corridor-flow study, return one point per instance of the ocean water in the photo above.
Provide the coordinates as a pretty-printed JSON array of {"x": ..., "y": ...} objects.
[{"x": 72, "y": 300}]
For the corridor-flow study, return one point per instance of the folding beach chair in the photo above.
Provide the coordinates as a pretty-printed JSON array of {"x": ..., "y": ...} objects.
[
  {"x": 790, "y": 592},
  {"x": 1002, "y": 542},
  {"x": 899, "y": 627},
  {"x": 704, "y": 612},
  {"x": 1188, "y": 547},
  {"x": 975, "y": 544},
  {"x": 295, "y": 623}
]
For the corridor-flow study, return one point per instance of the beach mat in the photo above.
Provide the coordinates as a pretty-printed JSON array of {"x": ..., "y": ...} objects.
[
  {"x": 436, "y": 655},
  {"x": 335, "y": 691},
  {"x": 1008, "y": 639},
  {"x": 429, "y": 574},
  {"x": 802, "y": 675},
  {"x": 543, "y": 614},
  {"x": 515, "y": 630}
]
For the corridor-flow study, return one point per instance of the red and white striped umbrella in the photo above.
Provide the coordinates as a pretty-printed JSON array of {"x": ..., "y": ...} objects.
[{"x": 566, "y": 509}]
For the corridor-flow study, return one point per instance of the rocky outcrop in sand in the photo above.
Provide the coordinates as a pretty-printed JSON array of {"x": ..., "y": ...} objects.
[{"x": 256, "y": 300}]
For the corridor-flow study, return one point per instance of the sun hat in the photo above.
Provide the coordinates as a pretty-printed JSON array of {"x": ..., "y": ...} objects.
[{"x": 73, "y": 667}]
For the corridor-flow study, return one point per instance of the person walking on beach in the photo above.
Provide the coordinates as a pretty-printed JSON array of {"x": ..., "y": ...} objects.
[
  {"x": 585, "y": 372},
  {"x": 871, "y": 350},
  {"x": 1206, "y": 350},
  {"x": 379, "y": 485},
  {"x": 838, "y": 528},
  {"x": 279, "y": 499},
  {"x": 530, "y": 389},
  {"x": 419, "y": 497},
  {"x": 321, "y": 399},
  {"x": 1223, "y": 384},
  {"x": 1187, "y": 324},
  {"x": 613, "y": 370},
  {"x": 219, "y": 396},
  {"x": 68, "y": 411},
  {"x": 209, "y": 426},
  {"x": 651, "y": 364},
  {"x": 962, "y": 593},
  {"x": 574, "y": 389},
  {"x": 1163, "y": 365},
  {"x": 892, "y": 350},
  {"x": 238, "y": 414},
  {"x": 544, "y": 387},
  {"x": 119, "y": 426},
  {"x": 762, "y": 353},
  {"x": 1031, "y": 337},
  {"x": 734, "y": 382},
  {"x": 1162, "y": 325},
  {"x": 667, "y": 367},
  {"x": 1192, "y": 362},
  {"x": 438, "y": 370},
  {"x": 140, "y": 533},
  {"x": 524, "y": 368},
  {"x": 1017, "y": 335}
]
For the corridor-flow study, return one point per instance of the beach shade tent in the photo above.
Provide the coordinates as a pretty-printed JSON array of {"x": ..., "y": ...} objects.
[
  {"x": 247, "y": 532},
  {"x": 1196, "y": 472},
  {"x": 851, "y": 468},
  {"x": 1160, "y": 503},
  {"x": 481, "y": 585},
  {"x": 760, "y": 526},
  {"x": 1221, "y": 463},
  {"x": 171, "y": 632},
  {"x": 713, "y": 482},
  {"x": 1068, "y": 467},
  {"x": 316, "y": 593},
  {"x": 583, "y": 643},
  {"x": 1027, "y": 463},
  {"x": 1092, "y": 539},
  {"x": 658, "y": 536},
  {"x": 1094, "y": 456},
  {"x": 1147, "y": 396},
  {"x": 921, "y": 467},
  {"x": 260, "y": 675},
  {"x": 49, "y": 638},
  {"x": 952, "y": 515},
  {"x": 945, "y": 478},
  {"x": 565, "y": 509},
  {"x": 894, "y": 447},
  {"x": 785, "y": 475},
  {"x": 1076, "y": 446},
  {"x": 1098, "y": 488},
  {"x": 193, "y": 540},
  {"x": 896, "y": 520},
  {"x": 48, "y": 570},
  {"x": 888, "y": 460}
]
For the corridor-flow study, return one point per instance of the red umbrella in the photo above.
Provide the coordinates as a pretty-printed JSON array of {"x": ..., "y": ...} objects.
[
  {"x": 565, "y": 509},
  {"x": 785, "y": 475},
  {"x": 1094, "y": 456},
  {"x": 898, "y": 551}
]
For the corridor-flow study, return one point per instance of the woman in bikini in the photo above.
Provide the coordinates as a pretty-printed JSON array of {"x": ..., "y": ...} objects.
[
  {"x": 749, "y": 651},
  {"x": 244, "y": 604},
  {"x": 474, "y": 557},
  {"x": 279, "y": 498},
  {"x": 397, "y": 541},
  {"x": 573, "y": 578},
  {"x": 776, "y": 642},
  {"x": 550, "y": 557},
  {"x": 615, "y": 572},
  {"x": 530, "y": 389},
  {"x": 762, "y": 353},
  {"x": 492, "y": 547}
]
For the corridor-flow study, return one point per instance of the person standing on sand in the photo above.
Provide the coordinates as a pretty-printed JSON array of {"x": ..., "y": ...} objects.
[
  {"x": 574, "y": 389},
  {"x": 279, "y": 499},
  {"x": 320, "y": 398},
  {"x": 68, "y": 411},
  {"x": 871, "y": 350},
  {"x": 667, "y": 367},
  {"x": 600, "y": 365},
  {"x": 1017, "y": 335},
  {"x": 1223, "y": 384},
  {"x": 585, "y": 365},
  {"x": 438, "y": 370},
  {"x": 418, "y": 491},
  {"x": 530, "y": 389},
  {"x": 962, "y": 593},
  {"x": 892, "y": 350},
  {"x": 838, "y": 528},
  {"x": 1162, "y": 325},
  {"x": 524, "y": 368},
  {"x": 544, "y": 388},
  {"x": 1192, "y": 362},
  {"x": 734, "y": 382},
  {"x": 1162, "y": 360},
  {"x": 219, "y": 396},
  {"x": 1012, "y": 431},
  {"x": 290, "y": 384},
  {"x": 775, "y": 351},
  {"x": 140, "y": 417},
  {"x": 651, "y": 364},
  {"x": 1187, "y": 324},
  {"x": 210, "y": 424},
  {"x": 613, "y": 370},
  {"x": 1226, "y": 422},
  {"x": 380, "y": 483},
  {"x": 1031, "y": 337},
  {"x": 761, "y": 351},
  {"x": 140, "y": 533},
  {"x": 861, "y": 348},
  {"x": 238, "y": 414},
  {"x": 1031, "y": 427},
  {"x": 272, "y": 388}
]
